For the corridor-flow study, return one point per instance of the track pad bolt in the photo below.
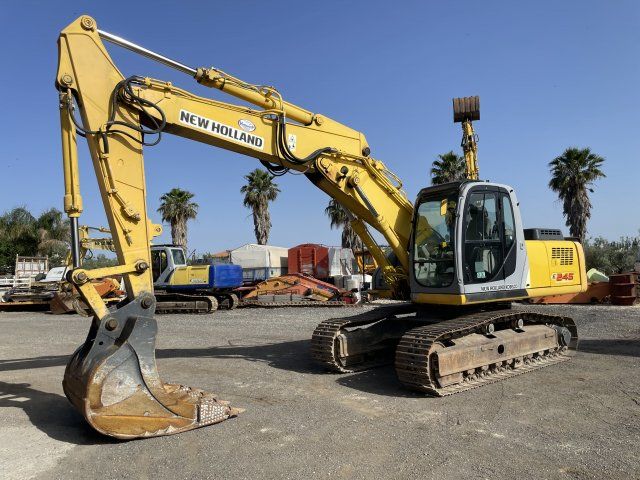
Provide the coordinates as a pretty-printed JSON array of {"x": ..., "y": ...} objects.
[
  {"x": 111, "y": 324},
  {"x": 490, "y": 328}
]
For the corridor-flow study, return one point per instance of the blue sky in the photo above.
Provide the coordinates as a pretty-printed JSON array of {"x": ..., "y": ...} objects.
[{"x": 550, "y": 75}]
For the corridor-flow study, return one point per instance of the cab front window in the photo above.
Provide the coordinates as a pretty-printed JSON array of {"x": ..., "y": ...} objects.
[{"x": 434, "y": 240}]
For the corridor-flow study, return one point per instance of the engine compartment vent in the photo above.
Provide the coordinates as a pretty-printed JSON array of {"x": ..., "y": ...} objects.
[
  {"x": 543, "y": 234},
  {"x": 565, "y": 255}
]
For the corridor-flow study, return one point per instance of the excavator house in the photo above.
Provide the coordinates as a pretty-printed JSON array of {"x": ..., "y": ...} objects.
[{"x": 460, "y": 252}]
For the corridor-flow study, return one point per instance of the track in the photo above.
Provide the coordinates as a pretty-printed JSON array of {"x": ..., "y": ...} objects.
[
  {"x": 181, "y": 303},
  {"x": 323, "y": 340},
  {"x": 416, "y": 364},
  {"x": 416, "y": 354}
]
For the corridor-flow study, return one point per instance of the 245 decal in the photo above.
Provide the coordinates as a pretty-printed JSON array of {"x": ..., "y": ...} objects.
[{"x": 562, "y": 277}]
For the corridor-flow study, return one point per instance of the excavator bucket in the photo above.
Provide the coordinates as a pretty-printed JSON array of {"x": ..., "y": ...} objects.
[
  {"x": 466, "y": 108},
  {"x": 113, "y": 381}
]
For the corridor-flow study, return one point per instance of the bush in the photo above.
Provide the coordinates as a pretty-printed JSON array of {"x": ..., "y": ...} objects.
[{"x": 612, "y": 257}]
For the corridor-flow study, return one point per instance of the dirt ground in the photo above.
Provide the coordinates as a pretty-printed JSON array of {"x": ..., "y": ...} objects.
[{"x": 579, "y": 419}]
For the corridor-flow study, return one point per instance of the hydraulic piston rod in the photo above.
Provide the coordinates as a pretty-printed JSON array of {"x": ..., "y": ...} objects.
[
  {"x": 212, "y": 77},
  {"x": 146, "y": 53}
]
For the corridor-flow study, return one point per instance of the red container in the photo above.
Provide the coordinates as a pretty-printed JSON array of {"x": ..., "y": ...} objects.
[
  {"x": 624, "y": 288},
  {"x": 310, "y": 259}
]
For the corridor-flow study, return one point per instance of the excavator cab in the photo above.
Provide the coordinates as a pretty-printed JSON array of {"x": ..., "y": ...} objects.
[
  {"x": 467, "y": 245},
  {"x": 164, "y": 260}
]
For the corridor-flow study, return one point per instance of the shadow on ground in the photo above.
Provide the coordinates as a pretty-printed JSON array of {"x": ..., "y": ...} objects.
[
  {"x": 611, "y": 346},
  {"x": 50, "y": 413},
  {"x": 378, "y": 381},
  {"x": 293, "y": 356}
]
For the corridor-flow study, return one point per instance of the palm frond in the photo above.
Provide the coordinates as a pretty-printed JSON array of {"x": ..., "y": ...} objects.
[{"x": 449, "y": 167}]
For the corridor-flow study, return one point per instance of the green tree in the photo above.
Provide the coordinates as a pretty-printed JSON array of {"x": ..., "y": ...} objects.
[
  {"x": 18, "y": 236},
  {"x": 23, "y": 234},
  {"x": 259, "y": 190},
  {"x": 572, "y": 177},
  {"x": 612, "y": 257},
  {"x": 177, "y": 209},
  {"x": 449, "y": 167},
  {"x": 54, "y": 235},
  {"x": 339, "y": 218}
]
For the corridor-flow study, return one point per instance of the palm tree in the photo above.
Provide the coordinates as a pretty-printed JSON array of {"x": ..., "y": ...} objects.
[
  {"x": 572, "y": 177},
  {"x": 449, "y": 167},
  {"x": 176, "y": 209},
  {"x": 339, "y": 218},
  {"x": 258, "y": 192}
]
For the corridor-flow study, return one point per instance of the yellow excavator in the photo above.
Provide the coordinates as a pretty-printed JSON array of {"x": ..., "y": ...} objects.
[{"x": 460, "y": 251}]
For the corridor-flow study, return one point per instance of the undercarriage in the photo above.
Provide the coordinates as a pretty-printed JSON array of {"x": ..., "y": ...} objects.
[
  {"x": 442, "y": 352},
  {"x": 194, "y": 303}
]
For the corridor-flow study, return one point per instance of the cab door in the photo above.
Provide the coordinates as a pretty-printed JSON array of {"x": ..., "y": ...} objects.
[
  {"x": 483, "y": 248},
  {"x": 483, "y": 243},
  {"x": 159, "y": 266}
]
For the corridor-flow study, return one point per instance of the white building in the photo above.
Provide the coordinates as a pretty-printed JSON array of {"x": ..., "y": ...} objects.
[{"x": 260, "y": 262}]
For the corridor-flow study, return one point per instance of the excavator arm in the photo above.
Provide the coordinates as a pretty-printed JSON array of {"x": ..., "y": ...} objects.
[
  {"x": 465, "y": 110},
  {"x": 112, "y": 379}
]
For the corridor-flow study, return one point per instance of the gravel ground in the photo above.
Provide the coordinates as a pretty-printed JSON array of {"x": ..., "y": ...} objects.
[{"x": 579, "y": 419}]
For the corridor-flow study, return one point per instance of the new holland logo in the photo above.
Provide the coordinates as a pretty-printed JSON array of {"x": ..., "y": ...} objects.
[
  {"x": 246, "y": 125},
  {"x": 224, "y": 131}
]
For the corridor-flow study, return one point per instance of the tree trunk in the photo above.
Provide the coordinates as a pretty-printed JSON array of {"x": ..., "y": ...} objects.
[
  {"x": 261, "y": 223},
  {"x": 577, "y": 210},
  {"x": 179, "y": 234}
]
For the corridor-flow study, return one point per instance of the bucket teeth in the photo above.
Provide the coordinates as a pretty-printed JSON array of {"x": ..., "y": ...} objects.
[{"x": 113, "y": 381}]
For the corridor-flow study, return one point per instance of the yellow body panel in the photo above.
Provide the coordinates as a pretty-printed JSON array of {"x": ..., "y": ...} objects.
[
  {"x": 555, "y": 267},
  {"x": 439, "y": 298},
  {"x": 539, "y": 274},
  {"x": 192, "y": 274}
]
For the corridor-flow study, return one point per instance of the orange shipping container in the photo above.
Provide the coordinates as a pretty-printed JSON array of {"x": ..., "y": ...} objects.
[{"x": 310, "y": 259}]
